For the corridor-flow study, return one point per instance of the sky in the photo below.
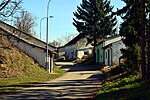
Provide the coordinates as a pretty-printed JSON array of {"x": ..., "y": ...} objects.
[{"x": 62, "y": 12}]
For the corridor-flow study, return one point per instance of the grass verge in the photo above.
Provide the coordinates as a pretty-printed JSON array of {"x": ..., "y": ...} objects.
[
  {"x": 131, "y": 87},
  {"x": 34, "y": 75},
  {"x": 18, "y": 70}
]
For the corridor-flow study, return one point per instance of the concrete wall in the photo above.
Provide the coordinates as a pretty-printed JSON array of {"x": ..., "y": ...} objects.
[
  {"x": 82, "y": 44},
  {"x": 111, "y": 58},
  {"x": 84, "y": 52},
  {"x": 61, "y": 52},
  {"x": 71, "y": 51},
  {"x": 37, "y": 52},
  {"x": 24, "y": 36},
  {"x": 116, "y": 53},
  {"x": 76, "y": 50}
]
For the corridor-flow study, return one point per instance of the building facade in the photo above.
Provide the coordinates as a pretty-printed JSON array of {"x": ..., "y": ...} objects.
[
  {"x": 29, "y": 44},
  {"x": 108, "y": 51},
  {"x": 77, "y": 48}
]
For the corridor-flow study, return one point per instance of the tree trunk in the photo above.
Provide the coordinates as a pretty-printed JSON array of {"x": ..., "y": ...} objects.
[
  {"x": 148, "y": 66},
  {"x": 143, "y": 63}
]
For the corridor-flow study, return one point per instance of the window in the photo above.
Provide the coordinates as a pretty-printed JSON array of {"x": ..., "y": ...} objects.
[{"x": 86, "y": 53}]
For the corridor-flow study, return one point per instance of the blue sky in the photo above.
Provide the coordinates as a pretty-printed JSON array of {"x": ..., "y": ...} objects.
[{"x": 62, "y": 10}]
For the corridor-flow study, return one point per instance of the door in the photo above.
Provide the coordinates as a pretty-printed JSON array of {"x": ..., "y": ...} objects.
[
  {"x": 108, "y": 57},
  {"x": 98, "y": 56}
]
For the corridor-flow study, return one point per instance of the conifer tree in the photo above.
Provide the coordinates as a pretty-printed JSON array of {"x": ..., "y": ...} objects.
[
  {"x": 94, "y": 19},
  {"x": 134, "y": 33}
]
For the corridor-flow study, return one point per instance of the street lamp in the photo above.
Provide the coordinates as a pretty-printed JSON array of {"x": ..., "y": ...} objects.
[
  {"x": 41, "y": 22},
  {"x": 47, "y": 58}
]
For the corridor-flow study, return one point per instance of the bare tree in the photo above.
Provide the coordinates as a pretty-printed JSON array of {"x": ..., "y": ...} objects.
[
  {"x": 55, "y": 43},
  {"x": 66, "y": 38},
  {"x": 25, "y": 22},
  {"x": 8, "y": 8},
  {"x": 63, "y": 40}
]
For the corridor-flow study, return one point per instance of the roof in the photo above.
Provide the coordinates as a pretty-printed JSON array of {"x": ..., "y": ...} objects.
[
  {"x": 107, "y": 39},
  {"x": 74, "y": 40},
  {"x": 13, "y": 28},
  {"x": 107, "y": 46},
  {"x": 29, "y": 43}
]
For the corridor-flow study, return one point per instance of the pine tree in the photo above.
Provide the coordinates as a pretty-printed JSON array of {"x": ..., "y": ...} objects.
[
  {"x": 133, "y": 31},
  {"x": 94, "y": 19}
]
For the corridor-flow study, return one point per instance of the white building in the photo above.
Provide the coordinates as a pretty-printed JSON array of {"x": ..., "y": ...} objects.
[{"x": 77, "y": 48}]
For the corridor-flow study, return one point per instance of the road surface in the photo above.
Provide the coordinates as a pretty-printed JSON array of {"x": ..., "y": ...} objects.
[{"x": 80, "y": 82}]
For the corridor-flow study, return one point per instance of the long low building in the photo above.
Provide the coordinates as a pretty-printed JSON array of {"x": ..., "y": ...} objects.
[
  {"x": 29, "y": 44},
  {"x": 77, "y": 48}
]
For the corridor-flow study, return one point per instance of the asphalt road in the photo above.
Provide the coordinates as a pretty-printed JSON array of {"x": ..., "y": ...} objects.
[{"x": 80, "y": 82}]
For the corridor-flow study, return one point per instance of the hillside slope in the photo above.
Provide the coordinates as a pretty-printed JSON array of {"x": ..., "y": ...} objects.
[
  {"x": 17, "y": 70},
  {"x": 15, "y": 63}
]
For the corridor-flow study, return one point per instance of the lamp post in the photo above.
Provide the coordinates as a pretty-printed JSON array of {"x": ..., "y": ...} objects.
[
  {"x": 41, "y": 23},
  {"x": 47, "y": 57}
]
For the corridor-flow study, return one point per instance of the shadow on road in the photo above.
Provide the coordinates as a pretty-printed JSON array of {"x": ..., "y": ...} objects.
[
  {"x": 75, "y": 88},
  {"x": 72, "y": 67},
  {"x": 71, "y": 89}
]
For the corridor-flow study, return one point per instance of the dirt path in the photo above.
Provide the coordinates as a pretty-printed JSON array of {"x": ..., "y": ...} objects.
[{"x": 80, "y": 82}]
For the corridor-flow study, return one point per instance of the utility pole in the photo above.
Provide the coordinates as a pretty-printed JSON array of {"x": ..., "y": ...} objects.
[
  {"x": 47, "y": 55},
  {"x": 41, "y": 23}
]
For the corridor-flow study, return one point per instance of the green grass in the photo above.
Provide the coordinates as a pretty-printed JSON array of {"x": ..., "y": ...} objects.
[
  {"x": 131, "y": 87},
  {"x": 18, "y": 70},
  {"x": 33, "y": 74}
]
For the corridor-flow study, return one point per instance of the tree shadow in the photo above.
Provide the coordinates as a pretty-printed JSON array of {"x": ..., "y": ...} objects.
[
  {"x": 124, "y": 94},
  {"x": 82, "y": 89},
  {"x": 69, "y": 89},
  {"x": 80, "y": 67}
]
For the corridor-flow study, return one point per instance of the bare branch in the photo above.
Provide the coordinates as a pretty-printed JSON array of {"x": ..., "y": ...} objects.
[
  {"x": 25, "y": 22},
  {"x": 9, "y": 8},
  {"x": 4, "y": 4}
]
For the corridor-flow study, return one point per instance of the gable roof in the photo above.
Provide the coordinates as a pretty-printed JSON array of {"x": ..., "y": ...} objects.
[
  {"x": 74, "y": 40},
  {"x": 107, "y": 39},
  {"x": 12, "y": 29}
]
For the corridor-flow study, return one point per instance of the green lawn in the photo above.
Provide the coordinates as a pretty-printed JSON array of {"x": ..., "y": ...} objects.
[
  {"x": 131, "y": 87},
  {"x": 33, "y": 75}
]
